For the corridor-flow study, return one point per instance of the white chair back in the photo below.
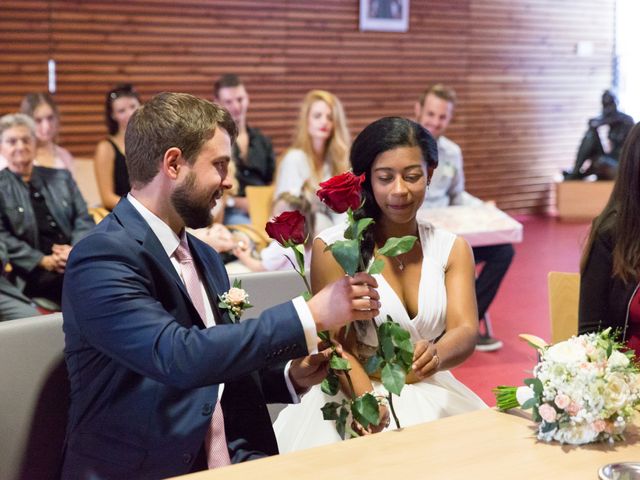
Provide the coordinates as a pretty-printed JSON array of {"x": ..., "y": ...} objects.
[{"x": 34, "y": 397}]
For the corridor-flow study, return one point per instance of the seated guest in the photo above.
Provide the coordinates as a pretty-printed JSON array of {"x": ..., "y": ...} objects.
[
  {"x": 13, "y": 303},
  {"x": 274, "y": 256},
  {"x": 42, "y": 212},
  {"x": 252, "y": 153},
  {"x": 320, "y": 150},
  {"x": 434, "y": 111},
  {"x": 610, "y": 269},
  {"x": 427, "y": 290},
  {"x": 109, "y": 162},
  {"x": 44, "y": 111}
]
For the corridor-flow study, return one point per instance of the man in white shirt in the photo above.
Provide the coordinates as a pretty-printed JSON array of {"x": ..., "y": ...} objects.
[
  {"x": 434, "y": 112},
  {"x": 148, "y": 347}
]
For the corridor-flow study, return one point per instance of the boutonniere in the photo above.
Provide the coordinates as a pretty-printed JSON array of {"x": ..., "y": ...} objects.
[{"x": 235, "y": 300}]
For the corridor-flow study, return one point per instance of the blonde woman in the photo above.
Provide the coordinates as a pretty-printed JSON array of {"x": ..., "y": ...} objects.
[
  {"x": 44, "y": 111},
  {"x": 320, "y": 150}
]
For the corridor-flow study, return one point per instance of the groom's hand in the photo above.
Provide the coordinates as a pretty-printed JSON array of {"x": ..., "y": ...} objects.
[
  {"x": 308, "y": 371},
  {"x": 345, "y": 300}
]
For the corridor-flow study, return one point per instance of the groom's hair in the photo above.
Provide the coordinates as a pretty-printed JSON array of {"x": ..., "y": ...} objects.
[{"x": 171, "y": 120}]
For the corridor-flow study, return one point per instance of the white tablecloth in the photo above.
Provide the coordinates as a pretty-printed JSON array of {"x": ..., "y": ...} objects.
[{"x": 480, "y": 225}]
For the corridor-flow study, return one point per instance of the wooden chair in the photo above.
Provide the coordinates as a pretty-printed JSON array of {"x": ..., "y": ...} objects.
[
  {"x": 260, "y": 200},
  {"x": 85, "y": 177},
  {"x": 564, "y": 295}
]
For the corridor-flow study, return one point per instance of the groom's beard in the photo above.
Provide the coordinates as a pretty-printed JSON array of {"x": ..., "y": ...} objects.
[{"x": 193, "y": 205}]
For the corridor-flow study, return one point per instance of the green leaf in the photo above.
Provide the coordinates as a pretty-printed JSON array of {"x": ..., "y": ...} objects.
[
  {"x": 330, "y": 385},
  {"x": 373, "y": 364},
  {"x": 237, "y": 283},
  {"x": 536, "y": 414},
  {"x": 341, "y": 422},
  {"x": 324, "y": 336},
  {"x": 393, "y": 378},
  {"x": 298, "y": 250},
  {"x": 365, "y": 410},
  {"x": 405, "y": 346},
  {"x": 306, "y": 295},
  {"x": 547, "y": 427},
  {"x": 362, "y": 225},
  {"x": 376, "y": 266},
  {"x": 338, "y": 363},
  {"x": 330, "y": 411},
  {"x": 535, "y": 384},
  {"x": 347, "y": 254},
  {"x": 388, "y": 351},
  {"x": 532, "y": 402},
  {"x": 395, "y": 246},
  {"x": 400, "y": 335},
  {"x": 405, "y": 359}
]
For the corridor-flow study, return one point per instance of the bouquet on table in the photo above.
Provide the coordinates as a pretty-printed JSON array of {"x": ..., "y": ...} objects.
[
  {"x": 583, "y": 390},
  {"x": 394, "y": 355}
]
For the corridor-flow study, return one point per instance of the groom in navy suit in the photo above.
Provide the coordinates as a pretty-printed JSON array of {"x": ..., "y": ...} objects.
[{"x": 146, "y": 373}]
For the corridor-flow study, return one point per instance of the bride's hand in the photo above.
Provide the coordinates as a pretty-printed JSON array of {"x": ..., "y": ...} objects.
[
  {"x": 425, "y": 359},
  {"x": 384, "y": 422}
]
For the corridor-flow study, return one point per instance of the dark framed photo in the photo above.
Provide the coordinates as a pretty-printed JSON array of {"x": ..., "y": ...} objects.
[{"x": 384, "y": 15}]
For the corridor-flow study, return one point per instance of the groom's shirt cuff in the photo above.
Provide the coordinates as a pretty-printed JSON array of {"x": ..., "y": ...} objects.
[
  {"x": 310, "y": 336},
  {"x": 308, "y": 325}
]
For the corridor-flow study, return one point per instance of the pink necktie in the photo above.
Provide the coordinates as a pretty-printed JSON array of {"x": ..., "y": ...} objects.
[{"x": 215, "y": 441}]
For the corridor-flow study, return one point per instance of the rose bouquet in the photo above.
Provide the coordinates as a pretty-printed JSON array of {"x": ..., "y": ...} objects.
[{"x": 583, "y": 390}]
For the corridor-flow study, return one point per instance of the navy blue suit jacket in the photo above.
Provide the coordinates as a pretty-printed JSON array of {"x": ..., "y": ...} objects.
[{"x": 143, "y": 368}]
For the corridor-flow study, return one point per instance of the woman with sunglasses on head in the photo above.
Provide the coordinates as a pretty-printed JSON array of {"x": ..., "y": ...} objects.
[{"x": 110, "y": 165}]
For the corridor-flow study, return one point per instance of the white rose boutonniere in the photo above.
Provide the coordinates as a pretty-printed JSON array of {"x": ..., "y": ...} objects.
[{"x": 235, "y": 301}]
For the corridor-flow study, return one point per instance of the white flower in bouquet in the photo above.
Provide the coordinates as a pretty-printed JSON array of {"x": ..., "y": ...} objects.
[
  {"x": 567, "y": 353},
  {"x": 584, "y": 389}
]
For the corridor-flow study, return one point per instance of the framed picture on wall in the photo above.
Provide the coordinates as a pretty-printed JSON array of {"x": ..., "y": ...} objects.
[{"x": 384, "y": 15}]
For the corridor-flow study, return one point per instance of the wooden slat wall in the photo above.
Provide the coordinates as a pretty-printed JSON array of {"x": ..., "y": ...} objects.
[{"x": 524, "y": 94}]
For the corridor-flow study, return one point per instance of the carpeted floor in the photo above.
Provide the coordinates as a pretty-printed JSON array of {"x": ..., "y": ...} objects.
[{"x": 521, "y": 305}]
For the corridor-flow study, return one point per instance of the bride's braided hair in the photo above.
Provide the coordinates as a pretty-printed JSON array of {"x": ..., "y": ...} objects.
[{"x": 378, "y": 137}]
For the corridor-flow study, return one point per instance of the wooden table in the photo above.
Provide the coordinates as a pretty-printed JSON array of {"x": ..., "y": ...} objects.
[
  {"x": 480, "y": 225},
  {"x": 482, "y": 444}
]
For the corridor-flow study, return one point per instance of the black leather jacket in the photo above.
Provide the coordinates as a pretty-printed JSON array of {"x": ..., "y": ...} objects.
[
  {"x": 604, "y": 299},
  {"x": 18, "y": 228}
]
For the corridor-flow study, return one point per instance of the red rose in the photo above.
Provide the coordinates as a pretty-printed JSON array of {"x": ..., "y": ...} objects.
[
  {"x": 342, "y": 192},
  {"x": 287, "y": 227}
]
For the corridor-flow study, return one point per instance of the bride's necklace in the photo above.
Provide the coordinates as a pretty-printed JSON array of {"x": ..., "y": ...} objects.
[{"x": 400, "y": 262}]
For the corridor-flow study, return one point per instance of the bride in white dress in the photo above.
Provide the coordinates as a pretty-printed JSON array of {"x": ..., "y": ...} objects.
[{"x": 428, "y": 290}]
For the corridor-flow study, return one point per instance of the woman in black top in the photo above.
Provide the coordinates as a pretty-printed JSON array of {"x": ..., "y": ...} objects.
[
  {"x": 610, "y": 269},
  {"x": 110, "y": 166}
]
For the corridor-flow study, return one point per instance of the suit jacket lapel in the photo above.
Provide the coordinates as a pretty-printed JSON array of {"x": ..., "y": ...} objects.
[
  {"x": 213, "y": 284},
  {"x": 140, "y": 230}
]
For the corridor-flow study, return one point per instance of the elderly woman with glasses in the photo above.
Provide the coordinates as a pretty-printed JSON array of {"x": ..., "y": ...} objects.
[
  {"x": 110, "y": 165},
  {"x": 42, "y": 212}
]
